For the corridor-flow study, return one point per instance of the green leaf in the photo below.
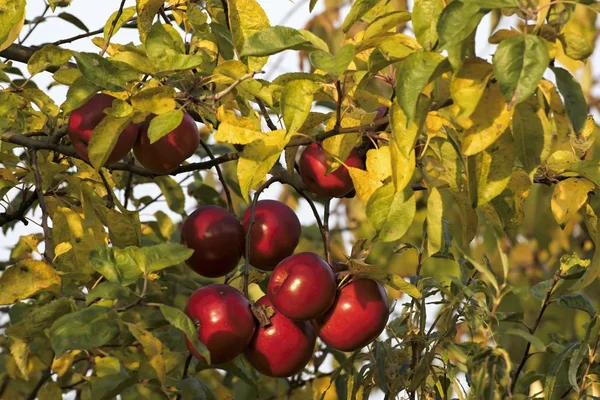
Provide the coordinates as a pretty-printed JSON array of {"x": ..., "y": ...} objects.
[
  {"x": 333, "y": 65},
  {"x": 575, "y": 45},
  {"x": 533, "y": 136},
  {"x": 79, "y": 93},
  {"x": 358, "y": 9},
  {"x": 107, "y": 290},
  {"x": 115, "y": 265},
  {"x": 413, "y": 74},
  {"x": 107, "y": 74},
  {"x": 425, "y": 17},
  {"x": 536, "y": 342},
  {"x": 162, "y": 125},
  {"x": 13, "y": 11},
  {"x": 104, "y": 138},
  {"x": 391, "y": 212},
  {"x": 70, "y": 18},
  {"x": 468, "y": 85},
  {"x": 296, "y": 103},
  {"x": 25, "y": 279},
  {"x": 273, "y": 40},
  {"x": 578, "y": 301},
  {"x": 246, "y": 17},
  {"x": 179, "y": 320},
  {"x": 48, "y": 56},
  {"x": 540, "y": 289},
  {"x": 494, "y": 3},
  {"x": 435, "y": 235},
  {"x": 385, "y": 23},
  {"x": 165, "y": 49},
  {"x": 173, "y": 193},
  {"x": 575, "y": 102},
  {"x": 84, "y": 330},
  {"x": 124, "y": 228},
  {"x": 519, "y": 64},
  {"x": 457, "y": 21},
  {"x": 125, "y": 16},
  {"x": 158, "y": 100},
  {"x": 39, "y": 319},
  {"x": 146, "y": 11},
  {"x": 550, "y": 382},
  {"x": 161, "y": 256}
]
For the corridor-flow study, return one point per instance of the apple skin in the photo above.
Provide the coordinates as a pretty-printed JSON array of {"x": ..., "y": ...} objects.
[
  {"x": 84, "y": 119},
  {"x": 283, "y": 348},
  {"x": 170, "y": 151},
  {"x": 226, "y": 323},
  {"x": 217, "y": 238},
  {"x": 313, "y": 166},
  {"x": 302, "y": 286},
  {"x": 358, "y": 316},
  {"x": 275, "y": 233}
]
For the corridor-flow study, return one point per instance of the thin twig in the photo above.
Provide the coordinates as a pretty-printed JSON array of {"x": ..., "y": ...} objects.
[
  {"x": 338, "y": 107},
  {"x": 110, "y": 201},
  {"x": 186, "y": 368},
  {"x": 326, "y": 235},
  {"x": 45, "y": 376},
  {"x": 112, "y": 28},
  {"x": 545, "y": 304},
  {"x": 226, "y": 91},
  {"x": 128, "y": 189},
  {"x": 164, "y": 16},
  {"x": 39, "y": 20},
  {"x": 317, "y": 218},
  {"x": 40, "y": 194},
  {"x": 265, "y": 113},
  {"x": 591, "y": 358},
  {"x": 250, "y": 225},
  {"x": 19, "y": 214},
  {"x": 220, "y": 175}
]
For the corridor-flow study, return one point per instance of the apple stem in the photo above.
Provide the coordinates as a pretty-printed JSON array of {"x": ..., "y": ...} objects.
[
  {"x": 220, "y": 175},
  {"x": 322, "y": 229},
  {"x": 326, "y": 235},
  {"x": 250, "y": 225}
]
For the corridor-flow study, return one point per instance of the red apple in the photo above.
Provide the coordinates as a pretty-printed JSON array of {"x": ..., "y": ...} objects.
[
  {"x": 313, "y": 166},
  {"x": 302, "y": 286},
  {"x": 275, "y": 233},
  {"x": 358, "y": 316},
  {"x": 225, "y": 322},
  {"x": 217, "y": 238},
  {"x": 166, "y": 154},
  {"x": 283, "y": 348},
  {"x": 83, "y": 120}
]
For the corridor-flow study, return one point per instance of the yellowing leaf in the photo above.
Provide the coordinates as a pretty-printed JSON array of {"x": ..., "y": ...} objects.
[
  {"x": 258, "y": 158},
  {"x": 568, "y": 197},
  {"x": 20, "y": 351},
  {"x": 246, "y": 17},
  {"x": 391, "y": 212},
  {"x": 146, "y": 11},
  {"x": 152, "y": 348},
  {"x": 104, "y": 138},
  {"x": 296, "y": 102},
  {"x": 235, "y": 134},
  {"x": 158, "y": 100},
  {"x": 365, "y": 183},
  {"x": 25, "y": 279},
  {"x": 124, "y": 229},
  {"x": 11, "y": 21},
  {"x": 362, "y": 269},
  {"x": 469, "y": 84},
  {"x": 435, "y": 209},
  {"x": 533, "y": 138},
  {"x": 379, "y": 163},
  {"x": 61, "y": 365},
  {"x": 487, "y": 123}
]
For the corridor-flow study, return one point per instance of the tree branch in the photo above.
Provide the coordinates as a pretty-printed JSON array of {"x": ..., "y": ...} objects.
[
  {"x": 112, "y": 28},
  {"x": 19, "y": 214},
  {"x": 40, "y": 194},
  {"x": 17, "y": 52}
]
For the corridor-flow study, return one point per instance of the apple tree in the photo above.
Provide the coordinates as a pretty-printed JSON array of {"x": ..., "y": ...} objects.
[{"x": 442, "y": 151}]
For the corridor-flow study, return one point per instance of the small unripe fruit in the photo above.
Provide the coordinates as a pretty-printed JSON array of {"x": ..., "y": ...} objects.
[
  {"x": 168, "y": 152},
  {"x": 358, "y": 316},
  {"x": 313, "y": 166},
  {"x": 302, "y": 286},
  {"x": 282, "y": 348},
  {"x": 225, "y": 322},
  {"x": 84, "y": 120},
  {"x": 217, "y": 238},
  {"x": 275, "y": 233}
]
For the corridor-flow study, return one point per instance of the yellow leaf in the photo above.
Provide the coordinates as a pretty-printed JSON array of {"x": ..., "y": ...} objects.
[
  {"x": 323, "y": 390},
  {"x": 235, "y": 134},
  {"x": 32, "y": 241},
  {"x": 146, "y": 11},
  {"x": 487, "y": 123},
  {"x": 62, "y": 364},
  {"x": 14, "y": 32},
  {"x": 258, "y": 158},
  {"x": 20, "y": 351},
  {"x": 568, "y": 197},
  {"x": 158, "y": 100},
  {"x": 435, "y": 209},
  {"x": 246, "y": 17},
  {"x": 25, "y": 279},
  {"x": 379, "y": 163},
  {"x": 152, "y": 348},
  {"x": 62, "y": 248},
  {"x": 340, "y": 146},
  {"x": 468, "y": 85},
  {"x": 365, "y": 183}
]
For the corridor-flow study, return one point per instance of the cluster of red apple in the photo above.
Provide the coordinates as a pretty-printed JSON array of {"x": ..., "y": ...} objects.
[
  {"x": 160, "y": 157},
  {"x": 303, "y": 289}
]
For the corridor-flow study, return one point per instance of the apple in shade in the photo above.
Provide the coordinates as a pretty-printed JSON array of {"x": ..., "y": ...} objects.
[
  {"x": 302, "y": 286},
  {"x": 84, "y": 119},
  {"x": 358, "y": 316},
  {"x": 313, "y": 168},
  {"x": 282, "y": 348},
  {"x": 168, "y": 152},
  {"x": 275, "y": 233},
  {"x": 217, "y": 238},
  {"x": 225, "y": 322}
]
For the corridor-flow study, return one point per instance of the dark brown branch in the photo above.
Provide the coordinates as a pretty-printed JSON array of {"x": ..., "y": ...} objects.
[
  {"x": 265, "y": 113},
  {"x": 45, "y": 376},
  {"x": 325, "y": 233},
  {"x": 40, "y": 194},
  {"x": 186, "y": 368},
  {"x": 19, "y": 213}
]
